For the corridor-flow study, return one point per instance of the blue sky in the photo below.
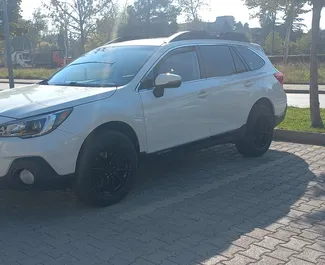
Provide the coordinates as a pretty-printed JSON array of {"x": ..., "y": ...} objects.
[{"x": 235, "y": 8}]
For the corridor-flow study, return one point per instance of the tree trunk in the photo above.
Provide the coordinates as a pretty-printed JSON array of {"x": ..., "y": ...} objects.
[
  {"x": 316, "y": 120},
  {"x": 273, "y": 32},
  {"x": 289, "y": 29},
  {"x": 82, "y": 39},
  {"x": 66, "y": 44},
  {"x": 82, "y": 27}
]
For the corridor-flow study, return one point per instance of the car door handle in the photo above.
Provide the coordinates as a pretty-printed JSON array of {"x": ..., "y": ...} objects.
[
  {"x": 203, "y": 94},
  {"x": 249, "y": 83}
]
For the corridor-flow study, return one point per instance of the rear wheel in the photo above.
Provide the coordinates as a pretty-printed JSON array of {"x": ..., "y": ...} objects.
[
  {"x": 259, "y": 132},
  {"x": 106, "y": 169}
]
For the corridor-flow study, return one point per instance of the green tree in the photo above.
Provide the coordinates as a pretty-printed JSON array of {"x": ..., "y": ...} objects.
[
  {"x": 239, "y": 27},
  {"x": 107, "y": 27},
  {"x": 151, "y": 18},
  {"x": 268, "y": 10},
  {"x": 322, "y": 42},
  {"x": 302, "y": 44},
  {"x": 263, "y": 9},
  {"x": 37, "y": 27},
  {"x": 226, "y": 27},
  {"x": 192, "y": 8},
  {"x": 13, "y": 16},
  {"x": 79, "y": 16},
  {"x": 278, "y": 44},
  {"x": 292, "y": 10}
]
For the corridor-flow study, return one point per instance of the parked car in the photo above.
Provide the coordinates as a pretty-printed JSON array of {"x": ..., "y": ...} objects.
[{"x": 90, "y": 122}]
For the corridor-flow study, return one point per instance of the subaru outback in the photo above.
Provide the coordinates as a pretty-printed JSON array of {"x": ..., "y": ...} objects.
[{"x": 89, "y": 123}]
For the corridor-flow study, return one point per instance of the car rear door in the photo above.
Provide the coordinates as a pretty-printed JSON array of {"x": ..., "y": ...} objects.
[
  {"x": 179, "y": 116},
  {"x": 230, "y": 87}
]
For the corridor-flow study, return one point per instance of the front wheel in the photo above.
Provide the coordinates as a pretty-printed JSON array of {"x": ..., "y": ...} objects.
[
  {"x": 259, "y": 132},
  {"x": 106, "y": 169}
]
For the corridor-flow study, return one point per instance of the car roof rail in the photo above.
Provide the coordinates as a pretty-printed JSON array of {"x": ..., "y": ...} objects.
[
  {"x": 126, "y": 38},
  {"x": 190, "y": 35},
  {"x": 194, "y": 35}
]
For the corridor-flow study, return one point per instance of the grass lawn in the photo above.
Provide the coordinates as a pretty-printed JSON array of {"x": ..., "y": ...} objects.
[
  {"x": 28, "y": 73},
  {"x": 299, "y": 73},
  {"x": 299, "y": 120}
]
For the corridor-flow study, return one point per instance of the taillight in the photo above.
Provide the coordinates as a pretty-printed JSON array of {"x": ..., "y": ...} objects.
[{"x": 280, "y": 77}]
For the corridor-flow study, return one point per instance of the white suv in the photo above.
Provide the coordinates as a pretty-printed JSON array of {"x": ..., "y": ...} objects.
[{"x": 89, "y": 122}]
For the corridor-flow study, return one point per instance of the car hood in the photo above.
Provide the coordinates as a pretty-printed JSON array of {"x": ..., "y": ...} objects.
[{"x": 37, "y": 99}]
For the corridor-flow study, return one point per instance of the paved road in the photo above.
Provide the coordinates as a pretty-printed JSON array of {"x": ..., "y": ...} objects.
[
  {"x": 208, "y": 207},
  {"x": 302, "y": 100},
  {"x": 302, "y": 88},
  {"x": 6, "y": 86}
]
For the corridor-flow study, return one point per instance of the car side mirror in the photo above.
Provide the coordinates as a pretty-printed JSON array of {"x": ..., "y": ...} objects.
[{"x": 164, "y": 81}]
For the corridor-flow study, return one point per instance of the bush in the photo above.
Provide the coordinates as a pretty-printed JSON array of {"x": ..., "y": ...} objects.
[
  {"x": 29, "y": 73},
  {"x": 299, "y": 73},
  {"x": 278, "y": 44}
]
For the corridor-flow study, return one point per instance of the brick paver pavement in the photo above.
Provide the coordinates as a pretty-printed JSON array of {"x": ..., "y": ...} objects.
[{"x": 205, "y": 207}]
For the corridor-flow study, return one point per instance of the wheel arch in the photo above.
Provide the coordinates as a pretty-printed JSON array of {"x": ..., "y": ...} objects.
[
  {"x": 264, "y": 102},
  {"x": 118, "y": 126}
]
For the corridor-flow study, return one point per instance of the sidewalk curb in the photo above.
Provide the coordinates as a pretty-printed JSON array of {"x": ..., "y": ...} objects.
[
  {"x": 26, "y": 82},
  {"x": 304, "y": 84},
  {"x": 299, "y": 137},
  {"x": 297, "y": 91}
]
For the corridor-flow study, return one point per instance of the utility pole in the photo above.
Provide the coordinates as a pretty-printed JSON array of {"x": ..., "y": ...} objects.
[{"x": 7, "y": 43}]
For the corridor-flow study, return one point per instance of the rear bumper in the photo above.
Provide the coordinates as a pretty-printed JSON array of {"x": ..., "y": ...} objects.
[
  {"x": 45, "y": 176},
  {"x": 279, "y": 119}
]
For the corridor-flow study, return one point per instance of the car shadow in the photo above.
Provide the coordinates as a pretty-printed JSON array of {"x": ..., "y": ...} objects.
[
  {"x": 190, "y": 205},
  {"x": 315, "y": 220}
]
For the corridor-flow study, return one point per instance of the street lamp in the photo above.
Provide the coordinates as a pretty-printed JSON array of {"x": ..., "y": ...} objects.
[{"x": 7, "y": 43}]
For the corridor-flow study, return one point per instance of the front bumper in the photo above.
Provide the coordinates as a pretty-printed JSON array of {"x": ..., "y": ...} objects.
[
  {"x": 50, "y": 157},
  {"x": 45, "y": 176}
]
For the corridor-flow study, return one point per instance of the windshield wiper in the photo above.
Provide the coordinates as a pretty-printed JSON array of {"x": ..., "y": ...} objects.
[
  {"x": 43, "y": 82},
  {"x": 91, "y": 63},
  {"x": 89, "y": 85},
  {"x": 75, "y": 84}
]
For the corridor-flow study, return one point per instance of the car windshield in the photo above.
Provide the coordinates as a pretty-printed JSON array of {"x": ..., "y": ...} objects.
[{"x": 105, "y": 66}]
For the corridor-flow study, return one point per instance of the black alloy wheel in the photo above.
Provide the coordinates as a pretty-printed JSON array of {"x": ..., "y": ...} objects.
[
  {"x": 106, "y": 168},
  {"x": 110, "y": 171},
  {"x": 262, "y": 132},
  {"x": 259, "y": 132}
]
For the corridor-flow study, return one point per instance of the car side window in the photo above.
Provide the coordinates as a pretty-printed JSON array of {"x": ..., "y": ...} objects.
[
  {"x": 239, "y": 64},
  {"x": 254, "y": 61},
  {"x": 184, "y": 64},
  {"x": 217, "y": 60}
]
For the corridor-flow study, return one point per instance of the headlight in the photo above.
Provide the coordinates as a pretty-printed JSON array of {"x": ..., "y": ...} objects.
[{"x": 34, "y": 126}]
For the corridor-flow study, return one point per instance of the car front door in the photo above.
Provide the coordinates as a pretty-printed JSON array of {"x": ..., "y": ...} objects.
[
  {"x": 230, "y": 87},
  {"x": 179, "y": 116}
]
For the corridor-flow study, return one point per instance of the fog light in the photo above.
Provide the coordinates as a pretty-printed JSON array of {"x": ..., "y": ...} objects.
[{"x": 27, "y": 177}]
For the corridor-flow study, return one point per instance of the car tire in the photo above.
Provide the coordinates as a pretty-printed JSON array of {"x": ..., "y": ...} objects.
[
  {"x": 106, "y": 168},
  {"x": 258, "y": 135}
]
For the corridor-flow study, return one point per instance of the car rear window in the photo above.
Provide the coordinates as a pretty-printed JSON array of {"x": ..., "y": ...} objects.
[
  {"x": 240, "y": 66},
  {"x": 217, "y": 61},
  {"x": 254, "y": 61}
]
